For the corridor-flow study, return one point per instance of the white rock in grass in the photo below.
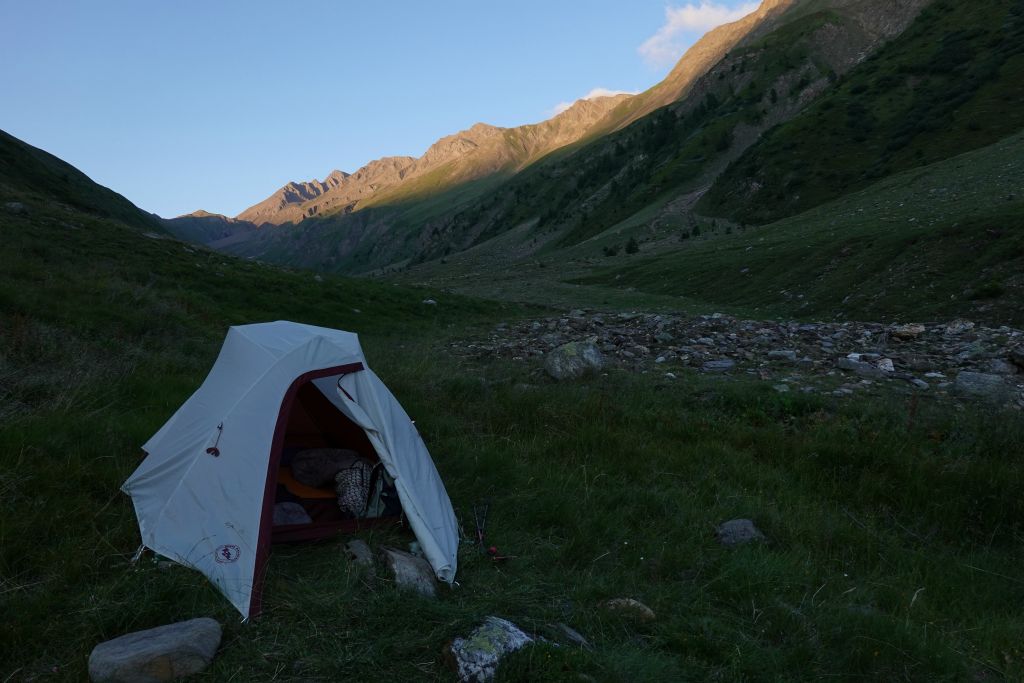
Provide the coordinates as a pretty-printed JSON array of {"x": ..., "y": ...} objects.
[
  {"x": 738, "y": 532},
  {"x": 573, "y": 360},
  {"x": 628, "y": 607},
  {"x": 163, "y": 653},
  {"x": 476, "y": 657},
  {"x": 359, "y": 553},
  {"x": 565, "y": 633},
  {"x": 410, "y": 572}
]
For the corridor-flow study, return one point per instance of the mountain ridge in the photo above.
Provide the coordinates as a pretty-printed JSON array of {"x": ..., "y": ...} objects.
[{"x": 486, "y": 150}]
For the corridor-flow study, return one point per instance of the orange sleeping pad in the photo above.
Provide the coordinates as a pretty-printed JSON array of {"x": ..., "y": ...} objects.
[{"x": 284, "y": 476}]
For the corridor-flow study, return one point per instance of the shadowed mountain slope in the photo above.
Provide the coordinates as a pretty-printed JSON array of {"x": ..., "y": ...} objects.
[
  {"x": 29, "y": 172},
  {"x": 952, "y": 83},
  {"x": 466, "y": 190}
]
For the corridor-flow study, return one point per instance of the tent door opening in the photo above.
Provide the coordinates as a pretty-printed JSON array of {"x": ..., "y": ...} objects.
[{"x": 329, "y": 478}]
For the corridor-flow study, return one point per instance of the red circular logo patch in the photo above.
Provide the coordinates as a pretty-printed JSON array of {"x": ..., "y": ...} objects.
[{"x": 227, "y": 553}]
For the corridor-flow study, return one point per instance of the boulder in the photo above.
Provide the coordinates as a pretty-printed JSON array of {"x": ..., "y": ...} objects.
[
  {"x": 429, "y": 302},
  {"x": 628, "y": 607},
  {"x": 981, "y": 385},
  {"x": 907, "y": 332},
  {"x": 290, "y": 513},
  {"x": 410, "y": 572},
  {"x": 738, "y": 532},
  {"x": 723, "y": 365},
  {"x": 163, "y": 653},
  {"x": 1000, "y": 366},
  {"x": 476, "y": 657},
  {"x": 787, "y": 356},
  {"x": 16, "y": 207},
  {"x": 860, "y": 367},
  {"x": 885, "y": 365},
  {"x": 573, "y": 360},
  {"x": 959, "y": 326}
]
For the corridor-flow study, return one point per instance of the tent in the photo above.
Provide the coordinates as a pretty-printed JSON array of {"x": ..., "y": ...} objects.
[{"x": 205, "y": 493}]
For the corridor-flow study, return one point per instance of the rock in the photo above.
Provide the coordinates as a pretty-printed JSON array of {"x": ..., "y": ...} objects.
[
  {"x": 16, "y": 207},
  {"x": 959, "y": 326},
  {"x": 664, "y": 337},
  {"x": 885, "y": 365},
  {"x": 476, "y": 657},
  {"x": 781, "y": 388},
  {"x": 973, "y": 351},
  {"x": 628, "y": 607},
  {"x": 163, "y": 653},
  {"x": 290, "y": 513},
  {"x": 1017, "y": 357},
  {"x": 573, "y": 360},
  {"x": 359, "y": 554},
  {"x": 859, "y": 367},
  {"x": 429, "y": 302},
  {"x": 788, "y": 356},
  {"x": 410, "y": 572},
  {"x": 723, "y": 365},
  {"x": 908, "y": 332},
  {"x": 318, "y": 278},
  {"x": 738, "y": 532},
  {"x": 567, "y": 634},
  {"x": 670, "y": 375},
  {"x": 998, "y": 366},
  {"x": 920, "y": 384},
  {"x": 981, "y": 385},
  {"x": 318, "y": 466}
]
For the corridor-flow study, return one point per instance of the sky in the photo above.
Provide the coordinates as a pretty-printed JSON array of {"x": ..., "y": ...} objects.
[{"x": 187, "y": 104}]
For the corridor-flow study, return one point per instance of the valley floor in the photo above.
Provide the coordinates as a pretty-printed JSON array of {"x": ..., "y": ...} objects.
[{"x": 894, "y": 524}]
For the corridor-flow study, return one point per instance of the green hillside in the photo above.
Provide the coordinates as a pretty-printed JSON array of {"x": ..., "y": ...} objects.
[
  {"x": 26, "y": 171},
  {"x": 945, "y": 240},
  {"x": 952, "y": 82}
]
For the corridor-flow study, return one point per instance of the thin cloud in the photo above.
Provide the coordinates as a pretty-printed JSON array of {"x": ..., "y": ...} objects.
[
  {"x": 666, "y": 46},
  {"x": 592, "y": 95}
]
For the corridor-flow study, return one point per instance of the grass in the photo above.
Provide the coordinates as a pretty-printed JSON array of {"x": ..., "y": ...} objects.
[
  {"x": 24, "y": 168},
  {"x": 950, "y": 84},
  {"x": 894, "y": 542},
  {"x": 892, "y": 549},
  {"x": 942, "y": 241}
]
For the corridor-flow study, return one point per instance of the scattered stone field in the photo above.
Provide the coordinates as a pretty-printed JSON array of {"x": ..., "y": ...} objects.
[{"x": 955, "y": 359}]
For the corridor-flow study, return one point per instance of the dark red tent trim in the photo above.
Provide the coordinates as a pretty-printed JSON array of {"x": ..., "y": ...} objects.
[{"x": 269, "y": 489}]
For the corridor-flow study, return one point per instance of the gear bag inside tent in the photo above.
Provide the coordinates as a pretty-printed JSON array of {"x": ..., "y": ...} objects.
[{"x": 290, "y": 437}]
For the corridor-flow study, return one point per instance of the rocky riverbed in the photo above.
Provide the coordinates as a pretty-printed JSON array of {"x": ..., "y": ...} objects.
[{"x": 951, "y": 358}]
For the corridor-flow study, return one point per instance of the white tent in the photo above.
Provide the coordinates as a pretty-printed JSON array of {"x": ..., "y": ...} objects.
[{"x": 205, "y": 493}]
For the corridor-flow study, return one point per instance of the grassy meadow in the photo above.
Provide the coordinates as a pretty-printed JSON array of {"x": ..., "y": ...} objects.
[
  {"x": 926, "y": 244},
  {"x": 895, "y": 528}
]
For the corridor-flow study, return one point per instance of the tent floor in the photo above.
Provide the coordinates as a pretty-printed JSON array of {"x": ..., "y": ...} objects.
[{"x": 296, "y": 533}]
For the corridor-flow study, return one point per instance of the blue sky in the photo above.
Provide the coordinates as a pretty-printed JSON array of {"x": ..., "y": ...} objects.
[{"x": 182, "y": 104}]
